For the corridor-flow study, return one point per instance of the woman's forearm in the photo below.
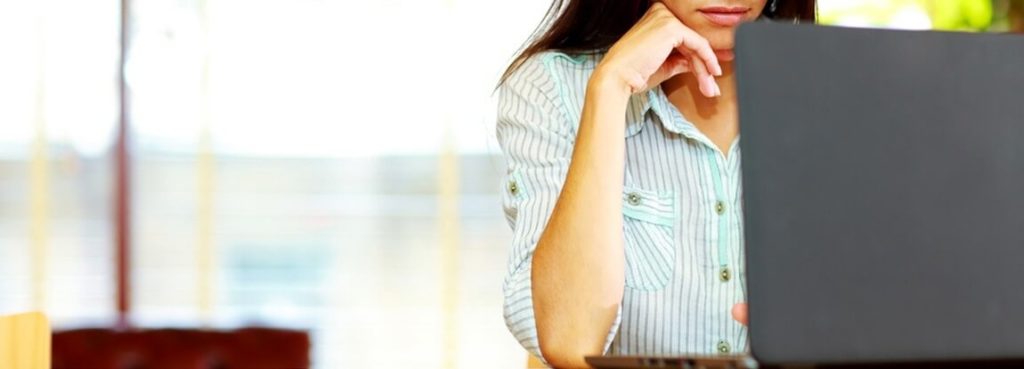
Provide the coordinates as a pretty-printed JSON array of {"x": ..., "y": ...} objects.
[{"x": 578, "y": 266}]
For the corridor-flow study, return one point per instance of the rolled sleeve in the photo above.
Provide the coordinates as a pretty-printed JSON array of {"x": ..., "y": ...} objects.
[{"x": 537, "y": 139}]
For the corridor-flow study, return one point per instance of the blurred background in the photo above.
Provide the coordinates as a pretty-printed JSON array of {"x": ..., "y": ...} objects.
[{"x": 319, "y": 165}]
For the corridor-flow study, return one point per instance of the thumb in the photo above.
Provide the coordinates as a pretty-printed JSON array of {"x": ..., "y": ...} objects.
[{"x": 739, "y": 312}]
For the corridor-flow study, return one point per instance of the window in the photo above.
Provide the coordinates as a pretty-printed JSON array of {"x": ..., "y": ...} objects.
[
  {"x": 56, "y": 126},
  {"x": 312, "y": 164}
]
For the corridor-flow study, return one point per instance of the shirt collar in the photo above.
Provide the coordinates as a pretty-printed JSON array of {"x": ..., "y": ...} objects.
[{"x": 654, "y": 101}]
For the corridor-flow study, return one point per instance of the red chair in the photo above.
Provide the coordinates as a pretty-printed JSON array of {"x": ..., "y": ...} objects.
[{"x": 249, "y": 348}]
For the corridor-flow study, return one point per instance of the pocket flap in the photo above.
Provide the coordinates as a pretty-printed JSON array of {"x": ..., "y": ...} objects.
[{"x": 649, "y": 206}]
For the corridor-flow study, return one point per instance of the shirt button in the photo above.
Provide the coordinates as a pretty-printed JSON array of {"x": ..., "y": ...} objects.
[
  {"x": 513, "y": 188},
  {"x": 720, "y": 207},
  {"x": 725, "y": 274},
  {"x": 723, "y": 347},
  {"x": 633, "y": 199}
]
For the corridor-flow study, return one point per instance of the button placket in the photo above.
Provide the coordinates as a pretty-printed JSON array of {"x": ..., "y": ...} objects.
[{"x": 722, "y": 217}]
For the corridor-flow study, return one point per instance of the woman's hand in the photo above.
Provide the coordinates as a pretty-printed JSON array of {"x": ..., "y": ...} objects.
[
  {"x": 739, "y": 312},
  {"x": 658, "y": 47}
]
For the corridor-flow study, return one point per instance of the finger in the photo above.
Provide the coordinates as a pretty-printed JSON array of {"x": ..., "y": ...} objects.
[
  {"x": 699, "y": 45},
  {"x": 690, "y": 40},
  {"x": 676, "y": 64},
  {"x": 707, "y": 84},
  {"x": 739, "y": 312}
]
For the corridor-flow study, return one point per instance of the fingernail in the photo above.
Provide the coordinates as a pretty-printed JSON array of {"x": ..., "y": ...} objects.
[
  {"x": 718, "y": 69},
  {"x": 707, "y": 87},
  {"x": 718, "y": 90}
]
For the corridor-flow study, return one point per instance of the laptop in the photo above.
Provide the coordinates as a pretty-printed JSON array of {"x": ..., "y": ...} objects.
[{"x": 883, "y": 176}]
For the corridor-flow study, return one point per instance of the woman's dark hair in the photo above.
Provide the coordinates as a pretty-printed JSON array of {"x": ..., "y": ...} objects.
[{"x": 594, "y": 25}]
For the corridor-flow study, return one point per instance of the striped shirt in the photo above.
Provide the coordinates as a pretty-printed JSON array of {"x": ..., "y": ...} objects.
[{"x": 680, "y": 206}]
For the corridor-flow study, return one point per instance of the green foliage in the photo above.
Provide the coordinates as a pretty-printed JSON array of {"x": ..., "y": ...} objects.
[
  {"x": 962, "y": 15},
  {"x": 977, "y": 13}
]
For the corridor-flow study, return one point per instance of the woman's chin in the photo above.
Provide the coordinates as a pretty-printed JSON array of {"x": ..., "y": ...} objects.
[
  {"x": 725, "y": 55},
  {"x": 719, "y": 38}
]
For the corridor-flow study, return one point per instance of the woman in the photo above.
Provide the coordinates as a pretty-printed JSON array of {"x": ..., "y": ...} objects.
[{"x": 619, "y": 128}]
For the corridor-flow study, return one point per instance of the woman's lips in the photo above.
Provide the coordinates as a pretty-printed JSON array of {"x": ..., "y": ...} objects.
[{"x": 725, "y": 16}]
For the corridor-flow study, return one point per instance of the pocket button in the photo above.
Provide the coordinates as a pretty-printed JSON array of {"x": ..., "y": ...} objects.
[{"x": 634, "y": 199}]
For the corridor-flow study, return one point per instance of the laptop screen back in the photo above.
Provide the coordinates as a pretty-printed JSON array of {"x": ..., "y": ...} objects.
[{"x": 883, "y": 177}]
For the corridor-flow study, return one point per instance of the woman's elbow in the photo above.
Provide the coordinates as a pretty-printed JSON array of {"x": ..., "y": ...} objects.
[
  {"x": 566, "y": 349},
  {"x": 564, "y": 356}
]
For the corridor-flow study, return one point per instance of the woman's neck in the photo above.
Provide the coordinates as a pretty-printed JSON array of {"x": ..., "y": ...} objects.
[{"x": 716, "y": 117}]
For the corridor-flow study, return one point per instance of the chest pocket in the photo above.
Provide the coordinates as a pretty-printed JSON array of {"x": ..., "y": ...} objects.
[{"x": 649, "y": 221}]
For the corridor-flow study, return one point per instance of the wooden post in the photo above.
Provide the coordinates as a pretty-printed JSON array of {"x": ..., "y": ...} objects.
[
  {"x": 39, "y": 177},
  {"x": 122, "y": 180}
]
